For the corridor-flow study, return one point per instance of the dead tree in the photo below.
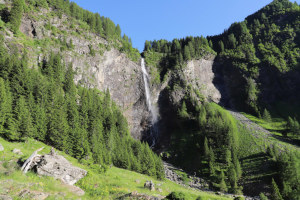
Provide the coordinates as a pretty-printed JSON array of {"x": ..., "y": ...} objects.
[{"x": 31, "y": 161}]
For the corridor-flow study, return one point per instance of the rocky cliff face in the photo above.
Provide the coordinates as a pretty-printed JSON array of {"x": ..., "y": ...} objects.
[{"x": 108, "y": 68}]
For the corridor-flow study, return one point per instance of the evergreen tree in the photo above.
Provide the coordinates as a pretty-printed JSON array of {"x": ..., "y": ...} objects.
[
  {"x": 23, "y": 119},
  {"x": 183, "y": 111},
  {"x": 16, "y": 14},
  {"x": 275, "y": 191},
  {"x": 267, "y": 116},
  {"x": 232, "y": 178},
  {"x": 4, "y": 104},
  {"x": 58, "y": 125},
  {"x": 222, "y": 184},
  {"x": 228, "y": 157},
  {"x": 232, "y": 41},
  {"x": 262, "y": 196},
  {"x": 211, "y": 162},
  {"x": 186, "y": 53},
  {"x": 41, "y": 122},
  {"x": 206, "y": 148},
  {"x": 221, "y": 46}
]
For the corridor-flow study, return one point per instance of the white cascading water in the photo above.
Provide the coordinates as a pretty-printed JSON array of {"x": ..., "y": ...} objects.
[{"x": 151, "y": 108}]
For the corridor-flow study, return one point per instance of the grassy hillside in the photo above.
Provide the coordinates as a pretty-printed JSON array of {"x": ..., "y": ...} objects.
[{"x": 114, "y": 183}]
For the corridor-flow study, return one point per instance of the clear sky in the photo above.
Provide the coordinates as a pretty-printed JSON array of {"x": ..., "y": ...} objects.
[{"x": 145, "y": 20}]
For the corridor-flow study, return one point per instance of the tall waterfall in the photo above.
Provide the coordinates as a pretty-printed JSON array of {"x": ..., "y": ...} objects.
[{"x": 151, "y": 108}]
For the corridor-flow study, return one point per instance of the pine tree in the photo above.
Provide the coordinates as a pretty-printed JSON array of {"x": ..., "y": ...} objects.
[
  {"x": 232, "y": 41},
  {"x": 228, "y": 157},
  {"x": 206, "y": 148},
  {"x": 16, "y": 14},
  {"x": 237, "y": 166},
  {"x": 275, "y": 191},
  {"x": 202, "y": 118},
  {"x": 266, "y": 116},
  {"x": 23, "y": 118},
  {"x": 186, "y": 53},
  {"x": 58, "y": 125},
  {"x": 4, "y": 107},
  {"x": 41, "y": 122},
  {"x": 211, "y": 162},
  {"x": 221, "y": 46},
  {"x": 222, "y": 184},
  {"x": 183, "y": 111},
  {"x": 262, "y": 196},
  {"x": 232, "y": 178}
]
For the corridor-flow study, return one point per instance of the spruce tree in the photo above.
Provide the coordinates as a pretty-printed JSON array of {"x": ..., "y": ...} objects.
[
  {"x": 23, "y": 118},
  {"x": 16, "y": 14},
  {"x": 41, "y": 121},
  {"x": 58, "y": 128},
  {"x": 221, "y": 46},
  {"x": 275, "y": 191},
  {"x": 4, "y": 107},
  {"x": 183, "y": 111},
  {"x": 262, "y": 196},
  {"x": 222, "y": 184},
  {"x": 187, "y": 53},
  {"x": 266, "y": 116},
  {"x": 206, "y": 148}
]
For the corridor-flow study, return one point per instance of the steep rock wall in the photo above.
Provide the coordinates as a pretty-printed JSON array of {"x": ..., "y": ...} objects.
[{"x": 107, "y": 69}]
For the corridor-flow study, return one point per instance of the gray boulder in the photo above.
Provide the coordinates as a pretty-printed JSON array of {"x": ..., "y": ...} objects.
[
  {"x": 17, "y": 151},
  {"x": 1, "y": 147},
  {"x": 5, "y": 197},
  {"x": 150, "y": 185},
  {"x": 60, "y": 168}
]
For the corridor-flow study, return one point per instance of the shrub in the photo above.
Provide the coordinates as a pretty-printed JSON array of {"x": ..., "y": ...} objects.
[{"x": 176, "y": 196}]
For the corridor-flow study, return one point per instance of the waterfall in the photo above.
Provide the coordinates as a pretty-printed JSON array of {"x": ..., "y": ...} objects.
[{"x": 151, "y": 108}]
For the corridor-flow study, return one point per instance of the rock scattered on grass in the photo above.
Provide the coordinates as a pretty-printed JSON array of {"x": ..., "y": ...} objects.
[
  {"x": 5, "y": 197},
  {"x": 17, "y": 151},
  {"x": 150, "y": 185}
]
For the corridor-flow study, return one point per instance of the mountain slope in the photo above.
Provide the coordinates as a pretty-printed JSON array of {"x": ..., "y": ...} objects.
[
  {"x": 255, "y": 69},
  {"x": 112, "y": 184},
  {"x": 101, "y": 60}
]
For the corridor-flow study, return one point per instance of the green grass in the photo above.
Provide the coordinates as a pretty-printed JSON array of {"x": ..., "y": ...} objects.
[
  {"x": 110, "y": 185},
  {"x": 275, "y": 126}
]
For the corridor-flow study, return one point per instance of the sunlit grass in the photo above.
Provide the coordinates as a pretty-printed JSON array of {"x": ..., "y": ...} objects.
[{"x": 110, "y": 185}]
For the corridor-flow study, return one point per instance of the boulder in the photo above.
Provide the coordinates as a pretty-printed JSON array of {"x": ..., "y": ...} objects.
[
  {"x": 1, "y": 147},
  {"x": 36, "y": 195},
  {"x": 60, "y": 168},
  {"x": 17, "y": 151},
  {"x": 76, "y": 190},
  {"x": 5, "y": 197},
  {"x": 150, "y": 185},
  {"x": 55, "y": 166}
]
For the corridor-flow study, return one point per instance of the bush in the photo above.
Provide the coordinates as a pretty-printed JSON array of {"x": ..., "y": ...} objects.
[
  {"x": 176, "y": 196},
  {"x": 263, "y": 197}
]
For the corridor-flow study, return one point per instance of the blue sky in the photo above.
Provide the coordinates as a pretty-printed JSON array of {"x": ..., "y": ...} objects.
[{"x": 168, "y": 19}]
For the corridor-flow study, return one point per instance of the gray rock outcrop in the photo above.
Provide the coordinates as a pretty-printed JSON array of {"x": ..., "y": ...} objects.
[
  {"x": 199, "y": 73},
  {"x": 60, "y": 168},
  {"x": 55, "y": 166},
  {"x": 1, "y": 147}
]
